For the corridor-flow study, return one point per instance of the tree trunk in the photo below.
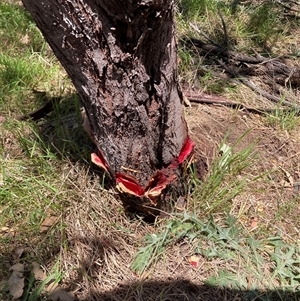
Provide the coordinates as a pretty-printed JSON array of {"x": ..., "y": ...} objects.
[{"x": 122, "y": 59}]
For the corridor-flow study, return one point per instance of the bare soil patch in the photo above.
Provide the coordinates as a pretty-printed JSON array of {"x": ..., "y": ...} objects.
[
  {"x": 102, "y": 239},
  {"x": 277, "y": 154}
]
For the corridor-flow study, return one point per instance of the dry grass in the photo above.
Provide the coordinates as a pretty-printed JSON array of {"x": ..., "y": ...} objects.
[{"x": 57, "y": 209}]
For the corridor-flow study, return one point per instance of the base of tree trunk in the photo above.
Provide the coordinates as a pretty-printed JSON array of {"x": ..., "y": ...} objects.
[
  {"x": 122, "y": 59},
  {"x": 150, "y": 210}
]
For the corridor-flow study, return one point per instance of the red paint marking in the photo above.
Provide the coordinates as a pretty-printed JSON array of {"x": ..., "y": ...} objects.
[
  {"x": 157, "y": 183},
  {"x": 159, "y": 179},
  {"x": 99, "y": 160},
  {"x": 130, "y": 183},
  {"x": 186, "y": 150}
]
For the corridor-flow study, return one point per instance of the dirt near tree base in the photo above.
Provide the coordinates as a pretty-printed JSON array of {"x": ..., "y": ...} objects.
[
  {"x": 102, "y": 239},
  {"x": 104, "y": 253},
  {"x": 277, "y": 153}
]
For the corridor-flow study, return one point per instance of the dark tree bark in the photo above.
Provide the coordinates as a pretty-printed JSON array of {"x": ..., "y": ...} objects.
[{"x": 122, "y": 58}]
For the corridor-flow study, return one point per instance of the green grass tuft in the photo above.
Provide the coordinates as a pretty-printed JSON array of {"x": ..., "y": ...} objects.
[
  {"x": 18, "y": 31},
  {"x": 264, "y": 23},
  {"x": 283, "y": 119},
  {"x": 224, "y": 180}
]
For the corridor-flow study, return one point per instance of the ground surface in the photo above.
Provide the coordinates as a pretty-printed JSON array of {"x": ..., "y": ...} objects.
[
  {"x": 61, "y": 222},
  {"x": 276, "y": 153},
  {"x": 268, "y": 205}
]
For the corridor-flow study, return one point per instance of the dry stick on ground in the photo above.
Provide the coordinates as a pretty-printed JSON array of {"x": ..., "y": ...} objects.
[
  {"x": 235, "y": 105},
  {"x": 249, "y": 84},
  {"x": 289, "y": 7},
  {"x": 266, "y": 66},
  {"x": 259, "y": 64}
]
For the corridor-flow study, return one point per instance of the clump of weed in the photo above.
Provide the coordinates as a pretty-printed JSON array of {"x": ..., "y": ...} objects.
[
  {"x": 224, "y": 180},
  {"x": 254, "y": 264},
  {"x": 18, "y": 30},
  {"x": 264, "y": 23},
  {"x": 284, "y": 119}
]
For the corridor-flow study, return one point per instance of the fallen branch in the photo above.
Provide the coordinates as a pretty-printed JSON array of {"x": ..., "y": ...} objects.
[
  {"x": 258, "y": 65},
  {"x": 239, "y": 106},
  {"x": 249, "y": 84},
  {"x": 214, "y": 49},
  {"x": 197, "y": 96}
]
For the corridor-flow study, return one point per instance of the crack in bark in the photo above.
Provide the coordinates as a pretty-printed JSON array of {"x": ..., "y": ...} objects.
[{"x": 124, "y": 76}]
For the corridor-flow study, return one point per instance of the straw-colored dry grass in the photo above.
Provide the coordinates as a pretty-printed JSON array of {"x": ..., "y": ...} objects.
[{"x": 58, "y": 210}]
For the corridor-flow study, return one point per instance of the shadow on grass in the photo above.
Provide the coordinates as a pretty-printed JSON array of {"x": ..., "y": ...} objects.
[
  {"x": 61, "y": 129},
  {"x": 63, "y": 133},
  {"x": 172, "y": 288},
  {"x": 184, "y": 290}
]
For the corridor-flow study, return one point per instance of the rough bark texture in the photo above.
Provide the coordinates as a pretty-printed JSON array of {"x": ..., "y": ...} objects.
[{"x": 122, "y": 59}]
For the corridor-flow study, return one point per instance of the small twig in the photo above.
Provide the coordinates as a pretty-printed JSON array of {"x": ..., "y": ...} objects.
[
  {"x": 205, "y": 35},
  {"x": 239, "y": 106},
  {"x": 226, "y": 40},
  {"x": 288, "y": 7}
]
